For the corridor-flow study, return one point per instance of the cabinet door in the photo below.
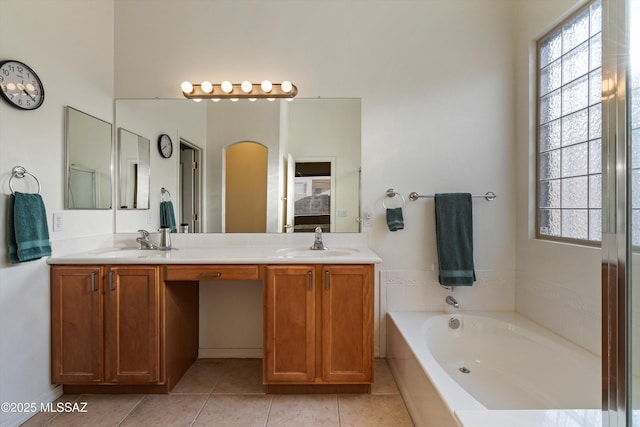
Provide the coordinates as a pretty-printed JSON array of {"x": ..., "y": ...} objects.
[
  {"x": 76, "y": 325},
  {"x": 347, "y": 323},
  {"x": 289, "y": 324},
  {"x": 133, "y": 325}
]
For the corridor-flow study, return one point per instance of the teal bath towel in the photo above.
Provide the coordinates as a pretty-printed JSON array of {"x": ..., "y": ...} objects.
[
  {"x": 395, "y": 220},
  {"x": 454, "y": 235},
  {"x": 167, "y": 217},
  {"x": 27, "y": 230}
]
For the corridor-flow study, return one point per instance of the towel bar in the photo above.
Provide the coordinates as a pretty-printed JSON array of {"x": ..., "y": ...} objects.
[
  {"x": 20, "y": 172},
  {"x": 489, "y": 195}
]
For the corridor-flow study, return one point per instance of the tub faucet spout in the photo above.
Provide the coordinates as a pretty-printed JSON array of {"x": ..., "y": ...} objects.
[{"x": 452, "y": 301}]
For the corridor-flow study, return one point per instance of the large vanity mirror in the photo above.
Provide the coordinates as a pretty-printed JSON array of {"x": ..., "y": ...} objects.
[
  {"x": 133, "y": 170},
  {"x": 88, "y": 161},
  {"x": 247, "y": 154}
]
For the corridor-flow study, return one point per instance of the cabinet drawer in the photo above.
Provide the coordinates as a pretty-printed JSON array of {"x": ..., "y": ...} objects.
[{"x": 212, "y": 272}]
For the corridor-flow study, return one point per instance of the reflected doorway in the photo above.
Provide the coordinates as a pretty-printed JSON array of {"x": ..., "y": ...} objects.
[
  {"x": 190, "y": 193},
  {"x": 312, "y": 189},
  {"x": 245, "y": 186}
]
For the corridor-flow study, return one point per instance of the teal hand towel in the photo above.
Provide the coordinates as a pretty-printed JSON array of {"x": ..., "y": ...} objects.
[
  {"x": 167, "y": 217},
  {"x": 395, "y": 220},
  {"x": 27, "y": 229},
  {"x": 454, "y": 235}
]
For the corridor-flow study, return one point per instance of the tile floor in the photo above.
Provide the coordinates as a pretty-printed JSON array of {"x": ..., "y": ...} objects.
[{"x": 229, "y": 392}]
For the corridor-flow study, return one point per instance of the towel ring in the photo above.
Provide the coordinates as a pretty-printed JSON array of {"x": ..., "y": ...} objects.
[
  {"x": 165, "y": 192},
  {"x": 391, "y": 194},
  {"x": 20, "y": 172}
]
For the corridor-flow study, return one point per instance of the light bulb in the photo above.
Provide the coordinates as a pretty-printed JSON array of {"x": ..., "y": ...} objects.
[
  {"x": 252, "y": 99},
  {"x": 215, "y": 99},
  {"x": 266, "y": 86},
  {"x": 271, "y": 99},
  {"x": 226, "y": 86},
  {"x": 246, "y": 86},
  {"x": 196, "y": 99},
  {"x": 286, "y": 86},
  {"x": 206, "y": 87},
  {"x": 233, "y": 99},
  {"x": 186, "y": 87}
]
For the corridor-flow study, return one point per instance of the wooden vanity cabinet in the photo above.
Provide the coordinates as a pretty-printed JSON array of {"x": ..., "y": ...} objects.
[
  {"x": 105, "y": 324},
  {"x": 318, "y": 325}
]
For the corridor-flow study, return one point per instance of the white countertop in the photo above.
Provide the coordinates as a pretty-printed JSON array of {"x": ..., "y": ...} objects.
[{"x": 343, "y": 248}]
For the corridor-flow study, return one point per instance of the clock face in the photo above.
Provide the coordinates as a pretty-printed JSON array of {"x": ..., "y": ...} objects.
[
  {"x": 165, "y": 146},
  {"x": 20, "y": 85}
]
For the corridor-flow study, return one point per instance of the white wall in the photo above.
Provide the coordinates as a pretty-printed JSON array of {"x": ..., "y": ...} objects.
[
  {"x": 232, "y": 122},
  {"x": 436, "y": 81},
  {"x": 320, "y": 127},
  {"x": 558, "y": 285},
  {"x": 151, "y": 118},
  {"x": 444, "y": 89},
  {"x": 70, "y": 45}
]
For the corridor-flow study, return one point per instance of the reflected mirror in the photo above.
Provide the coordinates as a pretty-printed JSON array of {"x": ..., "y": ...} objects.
[
  {"x": 88, "y": 158},
  {"x": 133, "y": 170},
  {"x": 302, "y": 130}
]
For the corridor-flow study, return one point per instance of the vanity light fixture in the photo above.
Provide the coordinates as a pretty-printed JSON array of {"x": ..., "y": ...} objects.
[{"x": 246, "y": 89}]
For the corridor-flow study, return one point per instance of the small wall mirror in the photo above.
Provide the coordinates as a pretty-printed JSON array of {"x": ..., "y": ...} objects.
[
  {"x": 133, "y": 170},
  {"x": 88, "y": 155}
]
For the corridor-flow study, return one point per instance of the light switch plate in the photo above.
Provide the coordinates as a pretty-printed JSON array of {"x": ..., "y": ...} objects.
[{"x": 58, "y": 221}]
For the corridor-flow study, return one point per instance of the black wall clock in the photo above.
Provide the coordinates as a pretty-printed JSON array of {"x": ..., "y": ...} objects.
[
  {"x": 20, "y": 86},
  {"x": 165, "y": 146}
]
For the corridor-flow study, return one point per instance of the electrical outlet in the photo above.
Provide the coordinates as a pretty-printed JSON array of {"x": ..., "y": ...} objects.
[
  {"x": 368, "y": 218},
  {"x": 58, "y": 221}
]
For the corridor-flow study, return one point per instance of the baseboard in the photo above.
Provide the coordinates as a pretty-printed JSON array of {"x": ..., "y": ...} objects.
[
  {"x": 230, "y": 353},
  {"x": 14, "y": 419}
]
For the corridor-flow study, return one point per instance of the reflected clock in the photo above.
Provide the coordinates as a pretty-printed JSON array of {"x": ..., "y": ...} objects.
[
  {"x": 165, "y": 146},
  {"x": 20, "y": 85}
]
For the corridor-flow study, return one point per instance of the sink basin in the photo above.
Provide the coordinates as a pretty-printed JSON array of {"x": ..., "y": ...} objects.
[
  {"x": 309, "y": 253},
  {"x": 126, "y": 253}
]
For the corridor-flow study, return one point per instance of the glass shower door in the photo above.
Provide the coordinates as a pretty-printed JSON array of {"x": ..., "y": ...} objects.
[
  {"x": 633, "y": 114},
  {"x": 621, "y": 213}
]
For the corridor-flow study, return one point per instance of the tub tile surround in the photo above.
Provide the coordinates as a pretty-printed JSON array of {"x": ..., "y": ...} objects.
[
  {"x": 572, "y": 313},
  {"x": 419, "y": 290}
]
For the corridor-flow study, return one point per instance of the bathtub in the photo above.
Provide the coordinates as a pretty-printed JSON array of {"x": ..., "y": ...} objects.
[{"x": 491, "y": 361}]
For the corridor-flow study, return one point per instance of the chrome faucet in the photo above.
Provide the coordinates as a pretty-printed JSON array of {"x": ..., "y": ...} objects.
[
  {"x": 318, "y": 245},
  {"x": 452, "y": 301},
  {"x": 145, "y": 240}
]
